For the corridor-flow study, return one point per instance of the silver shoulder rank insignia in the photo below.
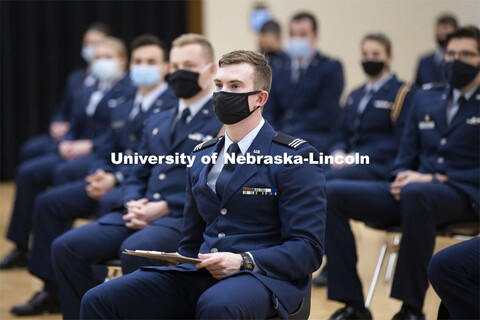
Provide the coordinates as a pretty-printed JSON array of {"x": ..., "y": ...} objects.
[
  {"x": 288, "y": 141},
  {"x": 206, "y": 144}
]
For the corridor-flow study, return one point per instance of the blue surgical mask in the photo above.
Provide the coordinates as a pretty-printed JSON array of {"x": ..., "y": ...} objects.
[
  {"x": 298, "y": 48},
  {"x": 258, "y": 17},
  {"x": 144, "y": 75},
  {"x": 88, "y": 52},
  {"x": 105, "y": 69}
]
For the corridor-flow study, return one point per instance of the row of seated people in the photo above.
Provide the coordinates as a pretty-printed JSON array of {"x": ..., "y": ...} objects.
[{"x": 142, "y": 206}]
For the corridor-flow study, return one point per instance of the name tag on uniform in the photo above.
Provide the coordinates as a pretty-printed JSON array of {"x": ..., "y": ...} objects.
[
  {"x": 426, "y": 125},
  {"x": 474, "y": 121},
  {"x": 259, "y": 191},
  {"x": 112, "y": 103},
  {"x": 382, "y": 104},
  {"x": 199, "y": 137},
  {"x": 118, "y": 124}
]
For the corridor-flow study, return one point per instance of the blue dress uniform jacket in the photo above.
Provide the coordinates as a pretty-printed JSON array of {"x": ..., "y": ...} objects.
[
  {"x": 309, "y": 108},
  {"x": 430, "y": 145},
  {"x": 35, "y": 175},
  {"x": 376, "y": 131},
  {"x": 166, "y": 181},
  {"x": 55, "y": 209},
  {"x": 72, "y": 252},
  {"x": 430, "y": 71},
  {"x": 125, "y": 135},
  {"x": 282, "y": 228},
  {"x": 92, "y": 127},
  {"x": 75, "y": 82},
  {"x": 45, "y": 143}
]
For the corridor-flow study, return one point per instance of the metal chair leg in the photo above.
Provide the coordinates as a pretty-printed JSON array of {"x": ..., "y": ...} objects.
[
  {"x": 376, "y": 274},
  {"x": 393, "y": 257}
]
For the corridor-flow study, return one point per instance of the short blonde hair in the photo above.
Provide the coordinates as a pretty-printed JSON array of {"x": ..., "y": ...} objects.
[
  {"x": 262, "y": 73},
  {"x": 117, "y": 44},
  {"x": 193, "y": 38}
]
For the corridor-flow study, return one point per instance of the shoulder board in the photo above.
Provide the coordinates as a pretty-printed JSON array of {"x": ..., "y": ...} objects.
[
  {"x": 288, "y": 141},
  {"x": 434, "y": 86},
  {"x": 206, "y": 144}
]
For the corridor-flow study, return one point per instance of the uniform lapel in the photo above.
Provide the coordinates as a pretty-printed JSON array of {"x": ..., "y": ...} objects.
[
  {"x": 441, "y": 106},
  {"x": 197, "y": 123},
  {"x": 261, "y": 145},
  {"x": 468, "y": 109}
]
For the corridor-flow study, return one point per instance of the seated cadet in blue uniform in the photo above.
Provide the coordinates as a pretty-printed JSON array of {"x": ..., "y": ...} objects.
[
  {"x": 154, "y": 194},
  {"x": 60, "y": 122},
  {"x": 431, "y": 67},
  {"x": 454, "y": 273},
  {"x": 436, "y": 182},
  {"x": 373, "y": 117},
  {"x": 304, "y": 100},
  {"x": 91, "y": 120},
  {"x": 258, "y": 228},
  {"x": 269, "y": 41},
  {"x": 372, "y": 121},
  {"x": 55, "y": 209}
]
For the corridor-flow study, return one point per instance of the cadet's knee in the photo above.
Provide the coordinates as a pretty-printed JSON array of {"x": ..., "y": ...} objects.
[
  {"x": 413, "y": 192},
  {"x": 438, "y": 268},
  {"x": 211, "y": 305}
]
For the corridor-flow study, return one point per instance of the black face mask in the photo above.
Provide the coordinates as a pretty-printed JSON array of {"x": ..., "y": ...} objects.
[
  {"x": 232, "y": 107},
  {"x": 460, "y": 74},
  {"x": 184, "y": 83},
  {"x": 373, "y": 68},
  {"x": 441, "y": 43}
]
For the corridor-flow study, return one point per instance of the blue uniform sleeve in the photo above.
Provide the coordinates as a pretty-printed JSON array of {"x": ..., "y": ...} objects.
[
  {"x": 329, "y": 98},
  {"x": 64, "y": 107},
  {"x": 193, "y": 224},
  {"x": 302, "y": 211},
  {"x": 136, "y": 183},
  {"x": 408, "y": 157}
]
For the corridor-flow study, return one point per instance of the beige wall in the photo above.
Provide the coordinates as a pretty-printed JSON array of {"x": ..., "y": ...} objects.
[{"x": 408, "y": 23}]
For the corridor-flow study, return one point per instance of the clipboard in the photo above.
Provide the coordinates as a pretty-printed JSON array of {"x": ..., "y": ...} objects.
[{"x": 165, "y": 256}]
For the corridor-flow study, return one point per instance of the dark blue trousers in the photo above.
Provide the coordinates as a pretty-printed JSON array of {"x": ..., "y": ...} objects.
[
  {"x": 454, "y": 274},
  {"x": 148, "y": 294},
  {"x": 75, "y": 251},
  {"x": 73, "y": 170},
  {"x": 422, "y": 207},
  {"x": 54, "y": 213},
  {"x": 358, "y": 172},
  {"x": 33, "y": 177},
  {"x": 37, "y": 146}
]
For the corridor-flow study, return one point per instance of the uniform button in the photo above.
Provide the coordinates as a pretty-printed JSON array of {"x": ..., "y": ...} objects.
[
  {"x": 162, "y": 176},
  {"x": 440, "y": 160},
  {"x": 443, "y": 141},
  {"x": 128, "y": 152},
  {"x": 221, "y": 235},
  {"x": 223, "y": 211},
  {"x": 213, "y": 250},
  {"x": 156, "y": 196},
  {"x": 132, "y": 137}
]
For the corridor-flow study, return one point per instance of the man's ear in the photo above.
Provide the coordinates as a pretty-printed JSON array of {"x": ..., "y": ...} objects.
[{"x": 262, "y": 98}]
